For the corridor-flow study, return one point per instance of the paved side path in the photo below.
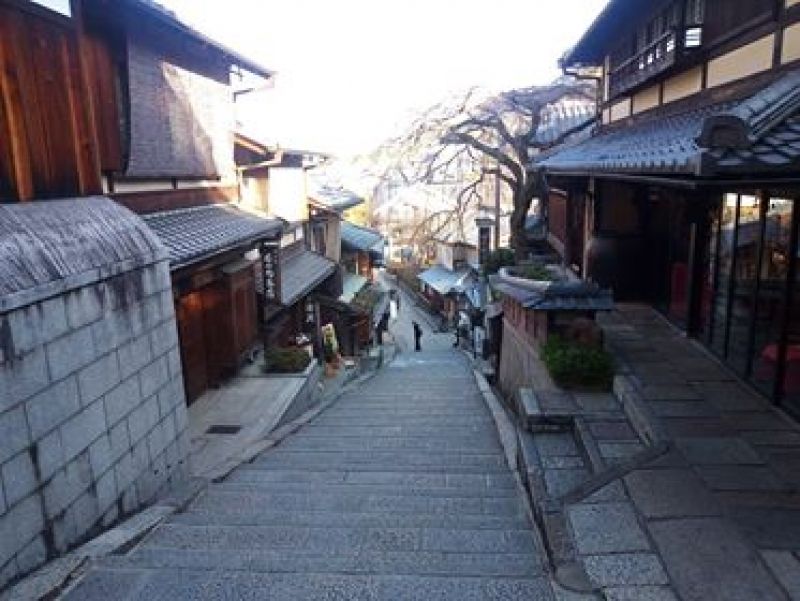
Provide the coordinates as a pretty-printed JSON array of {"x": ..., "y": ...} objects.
[{"x": 398, "y": 491}]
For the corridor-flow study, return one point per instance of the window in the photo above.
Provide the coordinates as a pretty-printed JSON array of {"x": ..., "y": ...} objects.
[{"x": 60, "y": 6}]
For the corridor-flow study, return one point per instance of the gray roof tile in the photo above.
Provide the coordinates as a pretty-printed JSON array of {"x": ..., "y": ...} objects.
[
  {"x": 301, "y": 271},
  {"x": 198, "y": 233},
  {"x": 355, "y": 237},
  {"x": 757, "y": 134}
]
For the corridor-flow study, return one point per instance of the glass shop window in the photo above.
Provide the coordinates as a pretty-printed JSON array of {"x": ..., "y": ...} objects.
[{"x": 773, "y": 271}]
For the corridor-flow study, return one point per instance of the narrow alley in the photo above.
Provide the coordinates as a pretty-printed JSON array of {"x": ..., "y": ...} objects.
[{"x": 400, "y": 490}]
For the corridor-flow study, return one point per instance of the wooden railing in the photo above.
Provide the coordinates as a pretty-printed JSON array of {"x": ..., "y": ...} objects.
[{"x": 654, "y": 59}]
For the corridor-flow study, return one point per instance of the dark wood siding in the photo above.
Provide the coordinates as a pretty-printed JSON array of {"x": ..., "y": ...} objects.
[
  {"x": 104, "y": 59},
  {"x": 557, "y": 216},
  {"x": 727, "y": 18},
  {"x": 48, "y": 149}
]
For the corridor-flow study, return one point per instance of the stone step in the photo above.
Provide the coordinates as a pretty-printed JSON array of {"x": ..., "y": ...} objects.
[
  {"x": 211, "y": 513},
  {"x": 453, "y": 444},
  {"x": 404, "y": 479},
  {"x": 366, "y": 421},
  {"x": 246, "y": 482},
  {"x": 429, "y": 563},
  {"x": 221, "y": 499},
  {"x": 325, "y": 430},
  {"x": 339, "y": 539},
  {"x": 158, "y": 585},
  {"x": 410, "y": 404},
  {"x": 383, "y": 460},
  {"x": 388, "y": 414}
]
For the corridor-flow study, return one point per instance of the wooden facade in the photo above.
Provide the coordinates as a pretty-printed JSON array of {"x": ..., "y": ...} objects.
[
  {"x": 48, "y": 145},
  {"x": 710, "y": 241},
  {"x": 68, "y": 129}
]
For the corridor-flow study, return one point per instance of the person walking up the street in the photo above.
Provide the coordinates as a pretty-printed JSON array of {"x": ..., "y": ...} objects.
[{"x": 417, "y": 337}]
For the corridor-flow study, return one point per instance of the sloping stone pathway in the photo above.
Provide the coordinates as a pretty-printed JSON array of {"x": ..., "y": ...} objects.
[{"x": 398, "y": 491}]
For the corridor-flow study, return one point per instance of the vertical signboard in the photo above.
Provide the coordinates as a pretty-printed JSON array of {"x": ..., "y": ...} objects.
[
  {"x": 271, "y": 272},
  {"x": 484, "y": 244}
]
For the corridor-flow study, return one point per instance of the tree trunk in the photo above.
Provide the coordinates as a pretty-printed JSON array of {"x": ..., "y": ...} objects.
[{"x": 519, "y": 237}]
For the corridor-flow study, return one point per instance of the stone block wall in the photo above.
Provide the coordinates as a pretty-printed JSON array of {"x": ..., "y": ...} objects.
[
  {"x": 93, "y": 421},
  {"x": 520, "y": 366}
]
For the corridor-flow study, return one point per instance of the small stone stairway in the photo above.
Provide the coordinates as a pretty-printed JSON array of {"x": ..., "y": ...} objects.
[
  {"x": 573, "y": 449},
  {"x": 400, "y": 490}
]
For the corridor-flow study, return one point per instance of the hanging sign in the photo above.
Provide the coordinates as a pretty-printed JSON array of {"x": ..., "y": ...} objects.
[{"x": 271, "y": 271}]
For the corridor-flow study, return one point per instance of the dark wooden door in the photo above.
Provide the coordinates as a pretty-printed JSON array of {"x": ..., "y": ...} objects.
[{"x": 193, "y": 345}]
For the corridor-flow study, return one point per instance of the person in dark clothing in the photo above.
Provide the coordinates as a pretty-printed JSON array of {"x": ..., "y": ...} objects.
[{"x": 417, "y": 337}]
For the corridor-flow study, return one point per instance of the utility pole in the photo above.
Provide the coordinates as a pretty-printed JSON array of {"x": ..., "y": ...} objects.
[{"x": 497, "y": 207}]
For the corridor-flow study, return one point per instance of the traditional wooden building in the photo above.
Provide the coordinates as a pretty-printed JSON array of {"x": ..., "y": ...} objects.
[
  {"x": 121, "y": 98},
  {"x": 684, "y": 194}
]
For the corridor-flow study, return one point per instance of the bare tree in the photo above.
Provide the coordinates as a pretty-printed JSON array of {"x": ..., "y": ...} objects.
[{"x": 467, "y": 138}]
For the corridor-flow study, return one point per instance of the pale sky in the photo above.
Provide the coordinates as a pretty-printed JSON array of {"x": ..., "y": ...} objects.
[{"x": 350, "y": 70}]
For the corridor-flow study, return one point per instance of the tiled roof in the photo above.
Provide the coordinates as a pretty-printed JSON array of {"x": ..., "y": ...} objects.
[
  {"x": 568, "y": 296},
  {"x": 351, "y": 285},
  {"x": 198, "y": 233},
  {"x": 169, "y": 18},
  {"x": 301, "y": 271},
  {"x": 570, "y": 120},
  {"x": 336, "y": 199},
  {"x": 759, "y": 134},
  {"x": 355, "y": 237},
  {"x": 445, "y": 281}
]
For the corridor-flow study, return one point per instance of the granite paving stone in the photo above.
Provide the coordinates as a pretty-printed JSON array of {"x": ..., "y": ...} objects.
[
  {"x": 556, "y": 444},
  {"x": 559, "y": 482},
  {"x": 639, "y": 593},
  {"x": 625, "y": 569},
  {"x": 740, "y": 477},
  {"x": 610, "y": 492},
  {"x": 597, "y": 402},
  {"x": 786, "y": 568},
  {"x": 664, "y": 493},
  {"x": 718, "y": 451},
  {"x": 706, "y": 558},
  {"x": 606, "y": 528}
]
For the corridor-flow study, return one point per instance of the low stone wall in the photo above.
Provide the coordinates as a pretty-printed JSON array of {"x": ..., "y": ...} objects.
[
  {"x": 520, "y": 366},
  {"x": 93, "y": 421},
  {"x": 307, "y": 396}
]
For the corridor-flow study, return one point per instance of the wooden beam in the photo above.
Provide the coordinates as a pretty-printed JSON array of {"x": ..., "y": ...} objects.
[{"x": 152, "y": 202}]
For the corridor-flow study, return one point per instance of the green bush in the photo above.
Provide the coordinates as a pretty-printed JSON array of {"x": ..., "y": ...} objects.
[
  {"x": 573, "y": 365},
  {"x": 286, "y": 360},
  {"x": 502, "y": 257},
  {"x": 533, "y": 272}
]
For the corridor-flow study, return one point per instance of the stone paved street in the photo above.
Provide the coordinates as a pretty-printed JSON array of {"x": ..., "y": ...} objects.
[{"x": 400, "y": 490}]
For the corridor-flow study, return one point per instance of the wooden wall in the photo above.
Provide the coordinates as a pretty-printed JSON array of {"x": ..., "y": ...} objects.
[{"x": 47, "y": 138}]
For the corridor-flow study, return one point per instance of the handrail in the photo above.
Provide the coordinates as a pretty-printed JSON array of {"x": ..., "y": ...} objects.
[{"x": 671, "y": 32}]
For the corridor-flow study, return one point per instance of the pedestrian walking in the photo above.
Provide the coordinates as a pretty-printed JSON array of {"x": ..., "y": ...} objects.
[{"x": 417, "y": 337}]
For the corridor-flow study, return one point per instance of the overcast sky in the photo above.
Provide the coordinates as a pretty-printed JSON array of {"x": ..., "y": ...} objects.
[{"x": 350, "y": 70}]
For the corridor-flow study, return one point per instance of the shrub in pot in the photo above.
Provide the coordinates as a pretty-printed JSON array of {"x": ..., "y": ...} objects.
[{"x": 286, "y": 360}]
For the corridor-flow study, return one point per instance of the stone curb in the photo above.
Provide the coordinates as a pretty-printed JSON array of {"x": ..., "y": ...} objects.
[
  {"x": 568, "y": 574},
  {"x": 59, "y": 575}
]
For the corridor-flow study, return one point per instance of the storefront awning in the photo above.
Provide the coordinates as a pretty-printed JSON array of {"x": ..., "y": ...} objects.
[
  {"x": 199, "y": 233},
  {"x": 302, "y": 271},
  {"x": 351, "y": 285},
  {"x": 444, "y": 281},
  {"x": 361, "y": 239},
  {"x": 759, "y": 134}
]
